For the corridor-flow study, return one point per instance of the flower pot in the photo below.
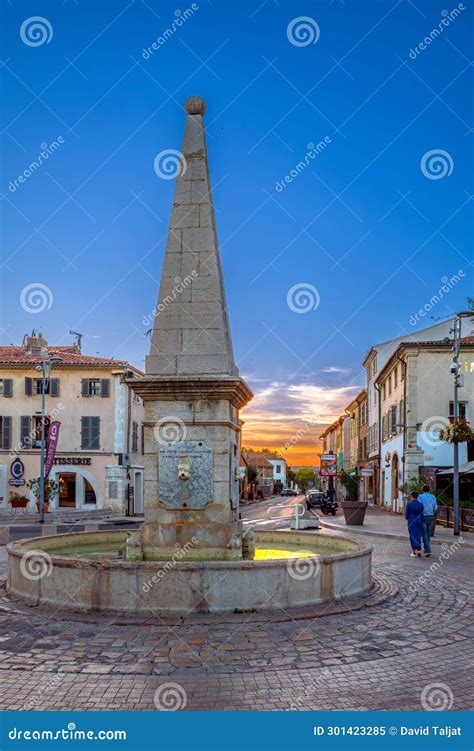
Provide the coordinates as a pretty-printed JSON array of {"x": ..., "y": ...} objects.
[
  {"x": 46, "y": 506},
  {"x": 354, "y": 512},
  {"x": 19, "y": 504}
]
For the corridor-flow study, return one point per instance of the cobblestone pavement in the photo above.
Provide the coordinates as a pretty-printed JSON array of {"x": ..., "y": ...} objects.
[{"x": 380, "y": 656}]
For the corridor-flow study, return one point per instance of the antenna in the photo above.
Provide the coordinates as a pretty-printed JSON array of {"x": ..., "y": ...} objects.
[{"x": 78, "y": 341}]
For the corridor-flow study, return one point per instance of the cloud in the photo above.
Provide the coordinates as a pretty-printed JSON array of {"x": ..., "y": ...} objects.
[
  {"x": 291, "y": 417},
  {"x": 335, "y": 369}
]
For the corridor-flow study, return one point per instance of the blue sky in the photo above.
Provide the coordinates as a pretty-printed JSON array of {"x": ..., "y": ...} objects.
[{"x": 362, "y": 223}]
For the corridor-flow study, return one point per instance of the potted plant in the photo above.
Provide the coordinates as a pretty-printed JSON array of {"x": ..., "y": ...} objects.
[
  {"x": 51, "y": 488},
  {"x": 18, "y": 501},
  {"x": 352, "y": 507},
  {"x": 457, "y": 431}
]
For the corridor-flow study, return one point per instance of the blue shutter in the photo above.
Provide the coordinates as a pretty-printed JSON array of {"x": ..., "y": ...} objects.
[
  {"x": 7, "y": 433},
  {"x": 7, "y": 387},
  {"x": 25, "y": 434},
  {"x": 105, "y": 387},
  {"x": 54, "y": 387}
]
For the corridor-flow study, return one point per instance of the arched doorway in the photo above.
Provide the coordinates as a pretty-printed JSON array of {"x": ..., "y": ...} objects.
[{"x": 394, "y": 483}]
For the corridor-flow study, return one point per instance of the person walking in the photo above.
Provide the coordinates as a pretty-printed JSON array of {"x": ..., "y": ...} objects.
[
  {"x": 430, "y": 507},
  {"x": 414, "y": 517}
]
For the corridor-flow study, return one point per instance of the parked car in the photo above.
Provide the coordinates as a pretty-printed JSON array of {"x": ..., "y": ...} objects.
[
  {"x": 314, "y": 498},
  {"x": 289, "y": 491}
]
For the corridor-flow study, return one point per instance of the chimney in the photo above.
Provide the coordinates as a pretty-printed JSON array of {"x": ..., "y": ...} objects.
[{"x": 35, "y": 344}]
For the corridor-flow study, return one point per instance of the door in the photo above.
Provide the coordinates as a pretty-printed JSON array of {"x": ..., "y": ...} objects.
[
  {"x": 138, "y": 485},
  {"x": 395, "y": 484}
]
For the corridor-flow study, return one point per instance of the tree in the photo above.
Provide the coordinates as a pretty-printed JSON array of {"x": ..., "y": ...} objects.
[
  {"x": 290, "y": 476},
  {"x": 305, "y": 478},
  {"x": 252, "y": 474}
]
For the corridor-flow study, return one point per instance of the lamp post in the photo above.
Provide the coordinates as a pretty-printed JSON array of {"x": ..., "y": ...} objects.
[
  {"x": 45, "y": 367},
  {"x": 457, "y": 383}
]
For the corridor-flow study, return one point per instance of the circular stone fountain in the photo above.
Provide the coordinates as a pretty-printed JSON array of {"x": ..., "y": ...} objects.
[
  {"x": 85, "y": 571},
  {"x": 191, "y": 553}
]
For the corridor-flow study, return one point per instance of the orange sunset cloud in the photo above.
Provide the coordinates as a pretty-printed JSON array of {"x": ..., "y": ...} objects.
[{"x": 290, "y": 418}]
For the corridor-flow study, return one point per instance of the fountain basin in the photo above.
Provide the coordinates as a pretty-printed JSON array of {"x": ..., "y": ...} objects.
[{"x": 64, "y": 571}]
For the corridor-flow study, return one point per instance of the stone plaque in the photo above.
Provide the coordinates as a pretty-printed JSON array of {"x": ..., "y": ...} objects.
[{"x": 185, "y": 475}]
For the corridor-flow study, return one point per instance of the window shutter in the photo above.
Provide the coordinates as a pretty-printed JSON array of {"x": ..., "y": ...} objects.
[
  {"x": 25, "y": 435},
  {"x": 95, "y": 433},
  {"x": 54, "y": 387},
  {"x": 28, "y": 386},
  {"x": 7, "y": 387},
  {"x": 105, "y": 387},
  {"x": 85, "y": 432},
  {"x": 85, "y": 387},
  {"x": 7, "y": 433}
]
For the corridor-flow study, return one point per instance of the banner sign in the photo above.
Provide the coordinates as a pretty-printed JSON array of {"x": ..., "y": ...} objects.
[
  {"x": 328, "y": 465},
  {"x": 51, "y": 445}
]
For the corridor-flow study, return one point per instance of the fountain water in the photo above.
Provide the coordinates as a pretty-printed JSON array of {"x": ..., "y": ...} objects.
[{"x": 190, "y": 554}]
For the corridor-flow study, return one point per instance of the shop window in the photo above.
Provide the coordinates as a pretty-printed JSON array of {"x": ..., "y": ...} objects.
[{"x": 89, "y": 493}]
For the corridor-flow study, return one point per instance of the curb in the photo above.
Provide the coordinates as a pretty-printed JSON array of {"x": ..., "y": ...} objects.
[{"x": 389, "y": 535}]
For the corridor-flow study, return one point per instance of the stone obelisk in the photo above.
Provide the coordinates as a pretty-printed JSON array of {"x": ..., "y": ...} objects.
[{"x": 192, "y": 388}]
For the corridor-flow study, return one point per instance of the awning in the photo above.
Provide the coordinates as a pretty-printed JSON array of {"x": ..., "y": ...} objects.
[{"x": 464, "y": 469}]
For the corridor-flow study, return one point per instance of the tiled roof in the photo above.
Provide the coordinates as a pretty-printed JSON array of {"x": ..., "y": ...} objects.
[
  {"x": 70, "y": 356},
  {"x": 259, "y": 459},
  {"x": 469, "y": 340}
]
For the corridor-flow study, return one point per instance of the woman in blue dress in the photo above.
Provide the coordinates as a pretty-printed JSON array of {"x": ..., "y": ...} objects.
[{"x": 414, "y": 517}]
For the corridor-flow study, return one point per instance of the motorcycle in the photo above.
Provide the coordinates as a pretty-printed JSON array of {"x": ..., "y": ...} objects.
[{"x": 329, "y": 507}]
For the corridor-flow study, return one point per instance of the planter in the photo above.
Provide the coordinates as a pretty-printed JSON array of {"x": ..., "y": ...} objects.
[
  {"x": 19, "y": 504},
  {"x": 354, "y": 512},
  {"x": 46, "y": 506}
]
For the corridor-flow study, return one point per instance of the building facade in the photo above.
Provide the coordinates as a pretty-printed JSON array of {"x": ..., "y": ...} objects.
[
  {"x": 98, "y": 462},
  {"x": 416, "y": 388}
]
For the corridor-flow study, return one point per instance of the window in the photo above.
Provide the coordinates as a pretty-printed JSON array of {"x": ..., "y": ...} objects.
[
  {"x": 462, "y": 410},
  {"x": 36, "y": 433},
  {"x": 384, "y": 392},
  {"x": 395, "y": 378},
  {"x": 390, "y": 384},
  {"x": 6, "y": 387},
  {"x": 401, "y": 417},
  {"x": 393, "y": 419},
  {"x": 5, "y": 432},
  {"x": 34, "y": 386},
  {"x": 95, "y": 387},
  {"x": 278, "y": 469},
  {"x": 135, "y": 437},
  {"x": 90, "y": 433}
]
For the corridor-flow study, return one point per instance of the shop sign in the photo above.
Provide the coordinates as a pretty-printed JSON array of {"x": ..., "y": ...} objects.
[
  {"x": 83, "y": 460},
  {"x": 367, "y": 472},
  {"x": 17, "y": 470},
  {"x": 328, "y": 465},
  {"x": 51, "y": 445}
]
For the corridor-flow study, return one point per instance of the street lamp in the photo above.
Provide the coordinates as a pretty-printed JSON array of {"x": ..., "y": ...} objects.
[
  {"x": 45, "y": 367},
  {"x": 456, "y": 331}
]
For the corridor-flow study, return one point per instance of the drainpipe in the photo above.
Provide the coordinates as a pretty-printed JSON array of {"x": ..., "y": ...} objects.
[
  {"x": 379, "y": 436},
  {"x": 404, "y": 370}
]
